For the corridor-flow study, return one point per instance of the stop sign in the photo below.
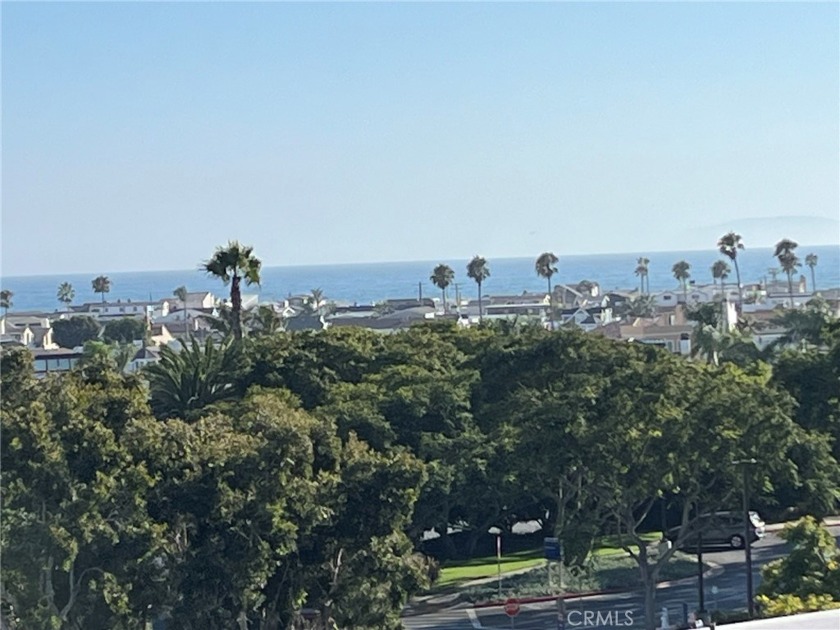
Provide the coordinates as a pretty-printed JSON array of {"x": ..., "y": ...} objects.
[{"x": 511, "y": 607}]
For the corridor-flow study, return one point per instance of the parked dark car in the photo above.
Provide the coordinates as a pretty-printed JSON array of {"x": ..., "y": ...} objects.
[{"x": 719, "y": 529}]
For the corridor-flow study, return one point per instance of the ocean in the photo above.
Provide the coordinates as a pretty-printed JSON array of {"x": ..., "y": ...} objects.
[{"x": 373, "y": 282}]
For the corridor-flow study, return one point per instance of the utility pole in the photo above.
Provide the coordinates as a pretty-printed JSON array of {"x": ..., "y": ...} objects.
[
  {"x": 420, "y": 291},
  {"x": 702, "y": 590},
  {"x": 745, "y": 463},
  {"x": 561, "y": 519}
]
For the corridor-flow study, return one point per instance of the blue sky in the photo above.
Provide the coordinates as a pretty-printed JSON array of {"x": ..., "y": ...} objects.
[{"x": 141, "y": 135}]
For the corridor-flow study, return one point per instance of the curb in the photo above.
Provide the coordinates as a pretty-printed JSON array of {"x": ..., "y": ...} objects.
[{"x": 713, "y": 571}]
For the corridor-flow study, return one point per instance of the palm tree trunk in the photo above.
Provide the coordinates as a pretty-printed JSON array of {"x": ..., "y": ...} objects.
[
  {"x": 813, "y": 281},
  {"x": 236, "y": 307},
  {"x": 443, "y": 297},
  {"x": 550, "y": 304},
  {"x": 740, "y": 293},
  {"x": 480, "y": 305},
  {"x": 685, "y": 292},
  {"x": 790, "y": 288}
]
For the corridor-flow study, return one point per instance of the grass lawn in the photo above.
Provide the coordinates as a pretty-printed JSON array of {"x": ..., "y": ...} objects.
[
  {"x": 609, "y": 544},
  {"x": 457, "y": 571}
]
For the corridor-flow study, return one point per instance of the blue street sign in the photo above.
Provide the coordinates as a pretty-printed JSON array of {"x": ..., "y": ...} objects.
[{"x": 551, "y": 548}]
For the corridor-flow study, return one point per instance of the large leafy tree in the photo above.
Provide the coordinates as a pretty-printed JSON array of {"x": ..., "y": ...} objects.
[
  {"x": 811, "y": 261},
  {"x": 786, "y": 254},
  {"x": 546, "y": 267},
  {"x": 478, "y": 271},
  {"x": 729, "y": 244},
  {"x": 442, "y": 276},
  {"x": 124, "y": 330},
  {"x": 75, "y": 331},
  {"x": 101, "y": 285},
  {"x": 232, "y": 265},
  {"x": 591, "y": 417},
  {"x": 811, "y": 569},
  {"x": 79, "y": 547},
  {"x": 66, "y": 293},
  {"x": 682, "y": 273}
]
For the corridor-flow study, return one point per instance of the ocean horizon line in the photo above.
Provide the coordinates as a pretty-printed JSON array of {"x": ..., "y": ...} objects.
[{"x": 430, "y": 261}]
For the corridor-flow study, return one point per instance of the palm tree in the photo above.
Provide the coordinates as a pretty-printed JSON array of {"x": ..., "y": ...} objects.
[
  {"x": 265, "y": 320},
  {"x": 6, "y": 300},
  {"x": 101, "y": 285},
  {"x": 546, "y": 266},
  {"x": 803, "y": 327},
  {"x": 442, "y": 276},
  {"x": 232, "y": 264},
  {"x": 641, "y": 306},
  {"x": 721, "y": 271},
  {"x": 729, "y": 244},
  {"x": 681, "y": 273},
  {"x": 788, "y": 261},
  {"x": 194, "y": 377},
  {"x": 66, "y": 293},
  {"x": 642, "y": 271},
  {"x": 315, "y": 301},
  {"x": 478, "y": 270},
  {"x": 181, "y": 294},
  {"x": 811, "y": 261}
]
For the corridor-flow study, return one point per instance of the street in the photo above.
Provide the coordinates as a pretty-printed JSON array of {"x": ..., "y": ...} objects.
[{"x": 726, "y": 590}]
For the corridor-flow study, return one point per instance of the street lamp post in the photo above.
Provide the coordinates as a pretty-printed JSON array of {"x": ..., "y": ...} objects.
[
  {"x": 498, "y": 534},
  {"x": 745, "y": 463}
]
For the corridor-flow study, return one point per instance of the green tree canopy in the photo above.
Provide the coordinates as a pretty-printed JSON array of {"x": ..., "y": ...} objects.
[
  {"x": 124, "y": 330},
  {"x": 75, "y": 331}
]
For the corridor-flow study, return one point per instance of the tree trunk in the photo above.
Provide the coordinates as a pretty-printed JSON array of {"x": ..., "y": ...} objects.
[
  {"x": 550, "y": 305},
  {"x": 813, "y": 281},
  {"x": 650, "y": 605},
  {"x": 790, "y": 288},
  {"x": 480, "y": 305},
  {"x": 443, "y": 297},
  {"x": 648, "y": 574},
  {"x": 236, "y": 307},
  {"x": 740, "y": 293}
]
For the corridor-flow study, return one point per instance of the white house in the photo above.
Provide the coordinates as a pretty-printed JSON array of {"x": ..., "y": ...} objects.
[{"x": 127, "y": 308}]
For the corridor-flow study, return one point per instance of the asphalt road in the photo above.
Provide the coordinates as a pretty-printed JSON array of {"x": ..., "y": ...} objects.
[{"x": 625, "y": 610}]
